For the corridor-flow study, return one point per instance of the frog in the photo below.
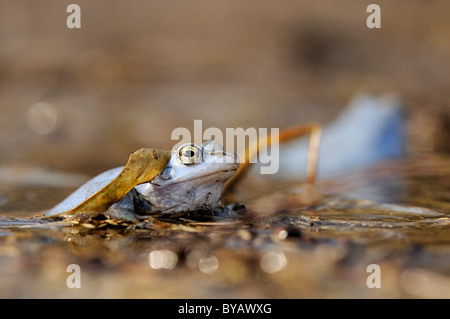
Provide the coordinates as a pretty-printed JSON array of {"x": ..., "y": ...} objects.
[{"x": 192, "y": 180}]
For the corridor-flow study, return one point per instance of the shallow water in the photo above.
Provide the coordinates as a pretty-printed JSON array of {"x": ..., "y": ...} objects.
[{"x": 291, "y": 240}]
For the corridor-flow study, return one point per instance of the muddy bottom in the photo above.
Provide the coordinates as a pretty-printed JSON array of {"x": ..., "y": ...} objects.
[{"x": 383, "y": 232}]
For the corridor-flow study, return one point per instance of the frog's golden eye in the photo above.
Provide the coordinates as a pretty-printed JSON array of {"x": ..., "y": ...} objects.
[{"x": 189, "y": 153}]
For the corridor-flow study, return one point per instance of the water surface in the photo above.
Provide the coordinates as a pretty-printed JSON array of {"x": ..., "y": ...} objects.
[{"x": 286, "y": 240}]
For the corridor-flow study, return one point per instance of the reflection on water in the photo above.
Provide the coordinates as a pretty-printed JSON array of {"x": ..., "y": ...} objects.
[
  {"x": 163, "y": 259},
  {"x": 42, "y": 118},
  {"x": 273, "y": 261},
  {"x": 395, "y": 215},
  {"x": 208, "y": 264}
]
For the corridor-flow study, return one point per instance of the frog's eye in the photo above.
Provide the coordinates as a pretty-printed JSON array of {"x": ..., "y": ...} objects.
[{"x": 188, "y": 154}]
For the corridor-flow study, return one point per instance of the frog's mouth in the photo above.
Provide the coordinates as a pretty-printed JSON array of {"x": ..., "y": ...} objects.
[{"x": 202, "y": 177}]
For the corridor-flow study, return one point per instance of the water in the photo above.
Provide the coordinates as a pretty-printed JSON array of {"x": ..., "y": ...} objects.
[{"x": 290, "y": 241}]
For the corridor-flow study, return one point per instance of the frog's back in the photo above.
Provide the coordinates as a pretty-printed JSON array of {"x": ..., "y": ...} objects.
[{"x": 85, "y": 191}]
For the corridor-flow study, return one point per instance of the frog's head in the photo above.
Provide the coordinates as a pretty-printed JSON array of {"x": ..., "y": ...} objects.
[{"x": 192, "y": 180}]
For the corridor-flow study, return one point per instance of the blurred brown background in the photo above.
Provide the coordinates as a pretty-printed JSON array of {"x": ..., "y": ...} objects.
[{"x": 82, "y": 99}]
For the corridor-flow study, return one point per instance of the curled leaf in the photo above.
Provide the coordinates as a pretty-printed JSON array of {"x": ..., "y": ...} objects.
[{"x": 143, "y": 166}]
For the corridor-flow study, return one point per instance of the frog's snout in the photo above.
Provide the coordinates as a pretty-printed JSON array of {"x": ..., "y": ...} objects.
[
  {"x": 226, "y": 158},
  {"x": 232, "y": 158},
  {"x": 214, "y": 153}
]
